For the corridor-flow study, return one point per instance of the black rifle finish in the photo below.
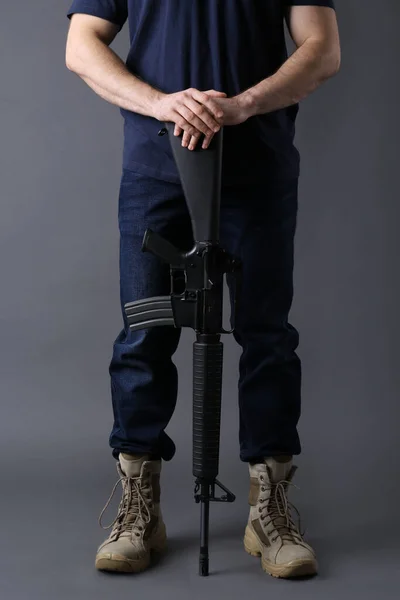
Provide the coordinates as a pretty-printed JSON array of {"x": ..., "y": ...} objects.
[{"x": 198, "y": 306}]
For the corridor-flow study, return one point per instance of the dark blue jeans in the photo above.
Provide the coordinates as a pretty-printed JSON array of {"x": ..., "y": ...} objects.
[{"x": 258, "y": 223}]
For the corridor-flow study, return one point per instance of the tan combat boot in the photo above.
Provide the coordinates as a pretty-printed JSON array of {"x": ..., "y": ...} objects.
[
  {"x": 138, "y": 528},
  {"x": 271, "y": 532}
]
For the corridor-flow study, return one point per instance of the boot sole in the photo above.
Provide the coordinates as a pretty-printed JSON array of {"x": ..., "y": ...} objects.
[
  {"x": 296, "y": 568},
  {"x": 110, "y": 561}
]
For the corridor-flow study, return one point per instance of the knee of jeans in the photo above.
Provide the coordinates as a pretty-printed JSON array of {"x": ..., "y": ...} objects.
[
  {"x": 155, "y": 342},
  {"x": 263, "y": 340}
]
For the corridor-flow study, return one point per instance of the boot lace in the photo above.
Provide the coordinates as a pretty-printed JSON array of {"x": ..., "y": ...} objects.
[
  {"x": 277, "y": 512},
  {"x": 133, "y": 508}
]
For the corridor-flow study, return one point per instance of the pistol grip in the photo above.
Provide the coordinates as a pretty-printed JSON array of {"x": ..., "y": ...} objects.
[{"x": 157, "y": 245}]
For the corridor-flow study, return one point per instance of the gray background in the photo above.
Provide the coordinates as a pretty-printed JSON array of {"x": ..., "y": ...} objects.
[{"x": 59, "y": 310}]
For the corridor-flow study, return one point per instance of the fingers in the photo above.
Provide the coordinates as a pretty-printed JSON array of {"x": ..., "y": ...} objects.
[
  {"x": 196, "y": 127},
  {"x": 206, "y": 101},
  {"x": 183, "y": 124},
  {"x": 187, "y": 138},
  {"x": 216, "y": 94},
  {"x": 191, "y": 142},
  {"x": 205, "y": 144},
  {"x": 208, "y": 112},
  {"x": 198, "y": 114},
  {"x": 207, "y": 141},
  {"x": 177, "y": 130}
]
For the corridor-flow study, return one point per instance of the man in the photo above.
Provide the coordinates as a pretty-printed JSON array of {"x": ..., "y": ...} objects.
[{"x": 203, "y": 65}]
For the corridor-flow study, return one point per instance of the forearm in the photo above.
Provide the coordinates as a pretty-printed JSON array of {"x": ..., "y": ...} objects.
[
  {"x": 107, "y": 75},
  {"x": 303, "y": 72}
]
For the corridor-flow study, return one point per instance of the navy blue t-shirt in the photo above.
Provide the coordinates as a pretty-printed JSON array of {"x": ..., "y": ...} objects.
[{"x": 226, "y": 45}]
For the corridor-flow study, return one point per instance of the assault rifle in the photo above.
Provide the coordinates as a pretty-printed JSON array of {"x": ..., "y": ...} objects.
[{"x": 200, "y": 307}]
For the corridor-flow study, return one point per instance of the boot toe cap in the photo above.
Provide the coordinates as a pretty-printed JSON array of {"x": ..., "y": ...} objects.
[
  {"x": 124, "y": 549},
  {"x": 294, "y": 553}
]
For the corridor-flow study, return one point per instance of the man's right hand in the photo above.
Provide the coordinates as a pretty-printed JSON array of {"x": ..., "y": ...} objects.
[{"x": 192, "y": 111}]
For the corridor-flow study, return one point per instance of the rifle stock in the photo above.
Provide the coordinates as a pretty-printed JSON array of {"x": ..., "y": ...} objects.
[{"x": 200, "y": 174}]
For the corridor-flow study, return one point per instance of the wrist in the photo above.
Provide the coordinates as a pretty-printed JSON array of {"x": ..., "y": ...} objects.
[
  {"x": 247, "y": 103},
  {"x": 155, "y": 101}
]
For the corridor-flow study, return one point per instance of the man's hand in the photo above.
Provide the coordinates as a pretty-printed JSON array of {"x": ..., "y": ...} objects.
[
  {"x": 234, "y": 111},
  {"x": 194, "y": 112}
]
